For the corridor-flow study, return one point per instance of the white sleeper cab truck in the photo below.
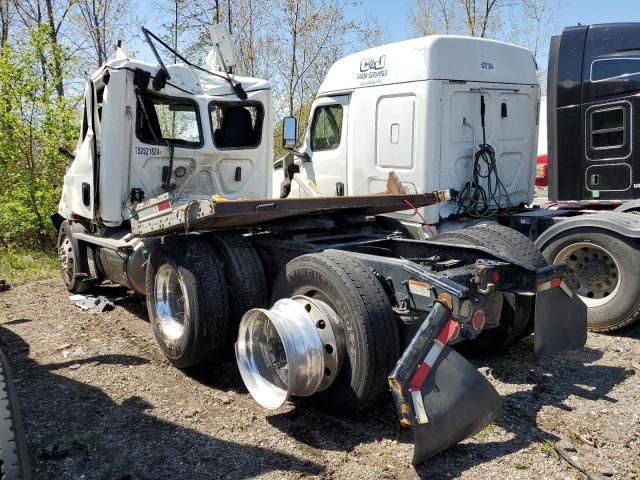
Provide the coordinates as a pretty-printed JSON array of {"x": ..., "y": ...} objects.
[
  {"x": 169, "y": 195},
  {"x": 420, "y": 108},
  {"x": 471, "y": 125}
]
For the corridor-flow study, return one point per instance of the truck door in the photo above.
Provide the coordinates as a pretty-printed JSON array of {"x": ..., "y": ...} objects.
[
  {"x": 609, "y": 106},
  {"x": 326, "y": 145},
  {"x": 608, "y": 170},
  {"x": 80, "y": 179}
]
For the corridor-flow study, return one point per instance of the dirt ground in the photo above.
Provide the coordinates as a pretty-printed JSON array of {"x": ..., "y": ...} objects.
[{"x": 100, "y": 402}]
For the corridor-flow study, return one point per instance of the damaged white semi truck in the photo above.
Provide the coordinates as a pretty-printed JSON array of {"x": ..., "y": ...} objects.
[{"x": 327, "y": 297}]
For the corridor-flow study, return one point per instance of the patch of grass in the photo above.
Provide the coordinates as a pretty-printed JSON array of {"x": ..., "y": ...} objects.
[
  {"x": 487, "y": 431},
  {"x": 573, "y": 436},
  {"x": 23, "y": 266},
  {"x": 548, "y": 447},
  {"x": 502, "y": 368}
]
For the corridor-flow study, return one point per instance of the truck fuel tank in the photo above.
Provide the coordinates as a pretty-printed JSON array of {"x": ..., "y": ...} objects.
[{"x": 124, "y": 267}]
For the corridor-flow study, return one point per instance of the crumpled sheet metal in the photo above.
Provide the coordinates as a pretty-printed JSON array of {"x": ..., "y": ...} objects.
[{"x": 90, "y": 303}]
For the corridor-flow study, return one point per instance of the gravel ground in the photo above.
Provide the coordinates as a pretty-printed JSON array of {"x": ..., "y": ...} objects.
[{"x": 99, "y": 401}]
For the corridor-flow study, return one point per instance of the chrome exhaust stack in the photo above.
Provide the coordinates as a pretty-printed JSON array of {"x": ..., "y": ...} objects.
[{"x": 295, "y": 348}]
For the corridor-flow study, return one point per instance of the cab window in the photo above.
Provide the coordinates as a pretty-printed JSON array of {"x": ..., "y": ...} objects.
[
  {"x": 614, "y": 68},
  {"x": 326, "y": 128},
  {"x": 160, "y": 119},
  {"x": 236, "y": 125}
]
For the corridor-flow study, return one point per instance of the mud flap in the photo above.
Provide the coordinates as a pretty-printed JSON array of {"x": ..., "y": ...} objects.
[
  {"x": 437, "y": 392},
  {"x": 459, "y": 402},
  {"x": 560, "y": 319}
]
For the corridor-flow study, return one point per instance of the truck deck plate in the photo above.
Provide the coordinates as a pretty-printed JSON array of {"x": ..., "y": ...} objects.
[{"x": 158, "y": 216}]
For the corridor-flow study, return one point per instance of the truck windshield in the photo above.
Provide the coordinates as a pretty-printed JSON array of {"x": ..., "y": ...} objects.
[
  {"x": 163, "y": 118},
  {"x": 236, "y": 124}
]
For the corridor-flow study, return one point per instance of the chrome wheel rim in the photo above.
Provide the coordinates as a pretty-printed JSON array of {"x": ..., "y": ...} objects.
[
  {"x": 292, "y": 349},
  {"x": 171, "y": 307},
  {"x": 596, "y": 270},
  {"x": 65, "y": 257}
]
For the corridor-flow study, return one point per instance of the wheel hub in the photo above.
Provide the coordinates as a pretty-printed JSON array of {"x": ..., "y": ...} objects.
[
  {"x": 66, "y": 258},
  {"x": 170, "y": 304},
  {"x": 595, "y": 269}
]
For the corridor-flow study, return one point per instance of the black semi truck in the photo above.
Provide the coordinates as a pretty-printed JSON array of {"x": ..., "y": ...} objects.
[{"x": 594, "y": 169}]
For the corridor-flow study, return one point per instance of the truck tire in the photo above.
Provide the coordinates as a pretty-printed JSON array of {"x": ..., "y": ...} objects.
[
  {"x": 371, "y": 333},
  {"x": 516, "y": 317},
  {"x": 187, "y": 301},
  {"x": 14, "y": 456},
  {"x": 244, "y": 274},
  {"x": 69, "y": 258},
  {"x": 606, "y": 266},
  {"x": 518, "y": 245}
]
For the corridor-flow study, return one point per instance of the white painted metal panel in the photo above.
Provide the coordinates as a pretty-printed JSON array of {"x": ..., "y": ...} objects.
[
  {"x": 513, "y": 136},
  {"x": 395, "y": 131}
]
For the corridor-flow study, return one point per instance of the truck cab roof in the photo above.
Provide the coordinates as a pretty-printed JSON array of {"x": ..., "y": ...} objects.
[
  {"x": 187, "y": 79},
  {"x": 430, "y": 58}
]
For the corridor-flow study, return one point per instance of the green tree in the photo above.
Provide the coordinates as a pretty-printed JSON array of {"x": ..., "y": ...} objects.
[{"x": 34, "y": 123}]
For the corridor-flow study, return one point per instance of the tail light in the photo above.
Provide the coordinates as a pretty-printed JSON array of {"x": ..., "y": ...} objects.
[{"x": 478, "y": 320}]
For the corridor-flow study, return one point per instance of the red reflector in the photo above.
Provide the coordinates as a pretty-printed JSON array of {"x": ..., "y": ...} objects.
[
  {"x": 163, "y": 205},
  {"x": 478, "y": 320},
  {"x": 495, "y": 277},
  {"x": 555, "y": 282},
  {"x": 419, "y": 377},
  {"x": 449, "y": 331}
]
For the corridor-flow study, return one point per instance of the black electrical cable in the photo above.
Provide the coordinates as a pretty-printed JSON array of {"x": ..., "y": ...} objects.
[
  {"x": 476, "y": 200},
  {"x": 167, "y": 182}
]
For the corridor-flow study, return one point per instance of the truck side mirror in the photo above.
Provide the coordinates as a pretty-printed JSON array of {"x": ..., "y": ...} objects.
[{"x": 289, "y": 132}]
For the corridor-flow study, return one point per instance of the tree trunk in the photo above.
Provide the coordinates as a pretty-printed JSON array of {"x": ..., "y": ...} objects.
[
  {"x": 294, "y": 45},
  {"x": 4, "y": 22},
  {"x": 53, "y": 37}
]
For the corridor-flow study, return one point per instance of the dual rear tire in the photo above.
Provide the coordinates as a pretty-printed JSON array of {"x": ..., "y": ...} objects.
[
  {"x": 187, "y": 301},
  {"x": 516, "y": 318},
  {"x": 197, "y": 294},
  {"x": 197, "y": 291}
]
